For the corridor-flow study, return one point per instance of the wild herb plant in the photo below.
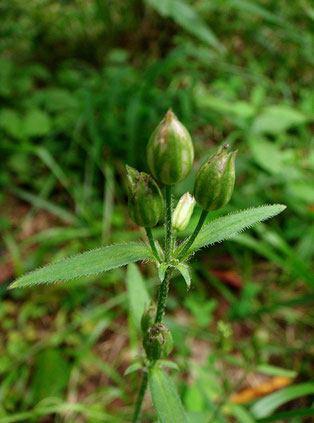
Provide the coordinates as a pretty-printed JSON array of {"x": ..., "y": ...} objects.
[{"x": 170, "y": 157}]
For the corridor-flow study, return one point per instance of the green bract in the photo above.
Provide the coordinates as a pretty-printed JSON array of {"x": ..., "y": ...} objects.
[
  {"x": 170, "y": 151},
  {"x": 214, "y": 181},
  {"x": 157, "y": 342},
  {"x": 145, "y": 199},
  {"x": 148, "y": 318}
]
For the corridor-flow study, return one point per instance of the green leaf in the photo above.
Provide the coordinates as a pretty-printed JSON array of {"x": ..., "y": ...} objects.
[
  {"x": 267, "y": 154},
  {"x": 184, "y": 270},
  {"x": 277, "y": 118},
  {"x": 161, "y": 267},
  {"x": 168, "y": 363},
  {"x": 165, "y": 397},
  {"x": 50, "y": 376},
  {"x": 267, "y": 369},
  {"x": 265, "y": 406},
  {"x": 227, "y": 226},
  {"x": 44, "y": 204},
  {"x": 11, "y": 122},
  {"x": 133, "y": 368},
  {"x": 36, "y": 123},
  {"x": 254, "y": 9},
  {"x": 86, "y": 264},
  {"x": 239, "y": 109},
  {"x": 137, "y": 294},
  {"x": 240, "y": 413},
  {"x": 300, "y": 412},
  {"x": 185, "y": 16}
]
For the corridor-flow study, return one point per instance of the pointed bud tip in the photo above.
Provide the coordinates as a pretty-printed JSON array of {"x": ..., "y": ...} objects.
[
  {"x": 170, "y": 113},
  {"x": 132, "y": 174}
]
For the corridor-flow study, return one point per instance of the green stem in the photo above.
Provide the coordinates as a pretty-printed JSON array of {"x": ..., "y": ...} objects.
[
  {"x": 152, "y": 243},
  {"x": 190, "y": 240},
  {"x": 168, "y": 222},
  {"x": 162, "y": 298},
  {"x": 140, "y": 397}
]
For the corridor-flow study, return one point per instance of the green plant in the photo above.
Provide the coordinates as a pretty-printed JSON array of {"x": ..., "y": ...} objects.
[{"x": 170, "y": 155}]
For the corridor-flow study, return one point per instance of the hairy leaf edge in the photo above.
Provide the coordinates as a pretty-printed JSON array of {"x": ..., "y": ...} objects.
[
  {"x": 12, "y": 285},
  {"x": 192, "y": 251}
]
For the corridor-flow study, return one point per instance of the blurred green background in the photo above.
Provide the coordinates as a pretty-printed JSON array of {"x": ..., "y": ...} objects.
[{"x": 82, "y": 86}]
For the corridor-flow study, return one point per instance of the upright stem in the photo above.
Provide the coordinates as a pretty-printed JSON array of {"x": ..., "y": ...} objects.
[
  {"x": 152, "y": 243},
  {"x": 190, "y": 240},
  {"x": 168, "y": 222},
  {"x": 140, "y": 397},
  {"x": 162, "y": 298}
]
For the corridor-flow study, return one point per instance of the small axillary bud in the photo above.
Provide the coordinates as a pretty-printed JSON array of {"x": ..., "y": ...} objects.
[
  {"x": 170, "y": 151},
  {"x": 157, "y": 342},
  {"x": 214, "y": 181},
  {"x": 145, "y": 198},
  {"x": 183, "y": 212}
]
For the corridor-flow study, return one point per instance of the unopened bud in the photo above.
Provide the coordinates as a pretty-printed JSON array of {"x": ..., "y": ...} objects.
[
  {"x": 145, "y": 199},
  {"x": 170, "y": 151},
  {"x": 183, "y": 212},
  {"x": 157, "y": 342},
  {"x": 214, "y": 182}
]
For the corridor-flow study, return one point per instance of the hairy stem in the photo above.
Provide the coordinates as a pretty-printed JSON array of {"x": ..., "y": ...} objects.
[
  {"x": 190, "y": 240},
  {"x": 140, "y": 397},
  {"x": 152, "y": 243},
  {"x": 162, "y": 298},
  {"x": 168, "y": 222},
  {"x": 173, "y": 240}
]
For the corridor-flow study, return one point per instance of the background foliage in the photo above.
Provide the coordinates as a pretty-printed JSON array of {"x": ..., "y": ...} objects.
[{"x": 82, "y": 86}]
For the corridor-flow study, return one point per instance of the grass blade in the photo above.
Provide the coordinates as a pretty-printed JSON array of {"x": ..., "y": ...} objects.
[
  {"x": 137, "y": 294},
  {"x": 266, "y": 406}
]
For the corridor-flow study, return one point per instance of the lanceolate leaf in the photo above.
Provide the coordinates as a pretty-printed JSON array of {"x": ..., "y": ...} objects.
[
  {"x": 165, "y": 397},
  {"x": 184, "y": 270},
  {"x": 185, "y": 16},
  {"x": 137, "y": 294},
  {"x": 133, "y": 368},
  {"x": 227, "y": 226},
  {"x": 88, "y": 263},
  {"x": 266, "y": 406}
]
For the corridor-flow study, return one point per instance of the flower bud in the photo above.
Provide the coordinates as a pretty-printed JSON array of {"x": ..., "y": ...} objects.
[
  {"x": 170, "y": 151},
  {"x": 145, "y": 199},
  {"x": 183, "y": 212},
  {"x": 148, "y": 318},
  {"x": 157, "y": 342},
  {"x": 214, "y": 181}
]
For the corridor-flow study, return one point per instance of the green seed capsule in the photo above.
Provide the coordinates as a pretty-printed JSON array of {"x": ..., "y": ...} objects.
[
  {"x": 145, "y": 198},
  {"x": 148, "y": 318},
  {"x": 157, "y": 342},
  {"x": 183, "y": 212},
  {"x": 170, "y": 151},
  {"x": 214, "y": 182}
]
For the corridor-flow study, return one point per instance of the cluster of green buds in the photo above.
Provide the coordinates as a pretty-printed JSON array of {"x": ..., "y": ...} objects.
[{"x": 170, "y": 155}]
